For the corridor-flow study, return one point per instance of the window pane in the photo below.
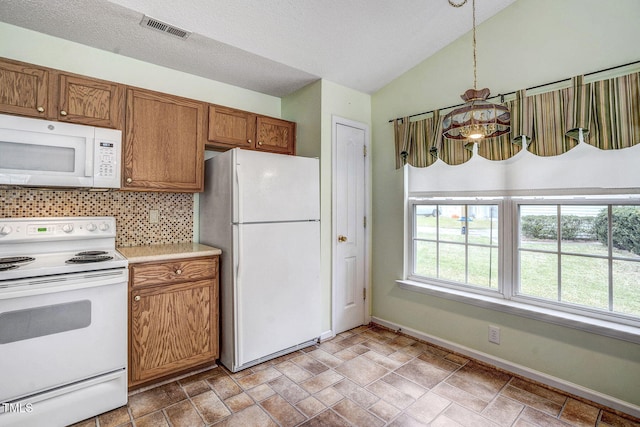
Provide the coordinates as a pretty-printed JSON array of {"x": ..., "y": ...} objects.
[
  {"x": 482, "y": 224},
  {"x": 425, "y": 263},
  {"x": 452, "y": 224},
  {"x": 581, "y": 227},
  {"x": 426, "y": 221},
  {"x": 452, "y": 262},
  {"x": 483, "y": 267},
  {"x": 585, "y": 281},
  {"x": 625, "y": 230},
  {"x": 626, "y": 287},
  {"x": 577, "y": 222},
  {"x": 539, "y": 227},
  {"x": 539, "y": 275}
]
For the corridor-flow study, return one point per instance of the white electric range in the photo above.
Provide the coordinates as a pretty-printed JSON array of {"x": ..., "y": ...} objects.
[{"x": 63, "y": 320}]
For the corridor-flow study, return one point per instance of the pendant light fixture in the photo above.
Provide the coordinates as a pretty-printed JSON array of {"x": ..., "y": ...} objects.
[{"x": 478, "y": 118}]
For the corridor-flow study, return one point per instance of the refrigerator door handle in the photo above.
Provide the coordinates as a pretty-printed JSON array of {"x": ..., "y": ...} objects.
[
  {"x": 239, "y": 198},
  {"x": 237, "y": 290}
]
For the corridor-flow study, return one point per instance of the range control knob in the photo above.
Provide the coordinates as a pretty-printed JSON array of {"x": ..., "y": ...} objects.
[
  {"x": 67, "y": 228},
  {"x": 91, "y": 227},
  {"x": 104, "y": 226},
  {"x": 5, "y": 229}
]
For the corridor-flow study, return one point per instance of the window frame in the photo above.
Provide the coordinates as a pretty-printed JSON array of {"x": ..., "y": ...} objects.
[
  {"x": 413, "y": 203},
  {"x": 508, "y": 297}
]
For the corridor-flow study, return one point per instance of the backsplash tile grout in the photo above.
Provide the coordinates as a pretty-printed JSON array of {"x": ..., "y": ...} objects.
[{"x": 131, "y": 210}]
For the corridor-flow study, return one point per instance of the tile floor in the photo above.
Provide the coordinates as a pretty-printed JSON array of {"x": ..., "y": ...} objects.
[{"x": 366, "y": 377}]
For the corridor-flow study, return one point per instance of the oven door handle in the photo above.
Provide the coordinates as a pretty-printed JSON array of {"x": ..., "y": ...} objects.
[{"x": 61, "y": 283}]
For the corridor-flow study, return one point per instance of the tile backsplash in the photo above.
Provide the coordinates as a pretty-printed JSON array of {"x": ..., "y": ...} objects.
[{"x": 131, "y": 210}]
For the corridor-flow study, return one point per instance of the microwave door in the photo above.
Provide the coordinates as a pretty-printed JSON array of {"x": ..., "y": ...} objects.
[{"x": 39, "y": 158}]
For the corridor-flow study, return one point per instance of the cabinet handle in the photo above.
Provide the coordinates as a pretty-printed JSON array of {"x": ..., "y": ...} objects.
[
  {"x": 249, "y": 141},
  {"x": 40, "y": 109},
  {"x": 136, "y": 298},
  {"x": 63, "y": 113},
  {"x": 178, "y": 271},
  {"x": 342, "y": 238},
  {"x": 129, "y": 180},
  {"x": 259, "y": 142}
]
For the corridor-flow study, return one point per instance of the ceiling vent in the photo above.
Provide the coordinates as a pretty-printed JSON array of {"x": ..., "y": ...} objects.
[{"x": 163, "y": 27}]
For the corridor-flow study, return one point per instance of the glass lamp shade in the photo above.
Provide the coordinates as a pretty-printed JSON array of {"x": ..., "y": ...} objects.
[{"x": 477, "y": 118}]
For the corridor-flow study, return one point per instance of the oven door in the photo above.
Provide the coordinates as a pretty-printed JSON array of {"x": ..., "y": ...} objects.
[{"x": 58, "y": 330}]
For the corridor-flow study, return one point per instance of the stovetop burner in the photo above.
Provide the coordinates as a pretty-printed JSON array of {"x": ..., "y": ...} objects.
[
  {"x": 91, "y": 253},
  {"x": 84, "y": 259},
  {"x": 16, "y": 259},
  {"x": 5, "y": 267}
]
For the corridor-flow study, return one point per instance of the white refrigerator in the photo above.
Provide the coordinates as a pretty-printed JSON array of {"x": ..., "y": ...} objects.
[{"x": 263, "y": 211}]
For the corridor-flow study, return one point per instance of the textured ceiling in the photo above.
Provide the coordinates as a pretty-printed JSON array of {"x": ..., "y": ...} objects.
[{"x": 270, "y": 46}]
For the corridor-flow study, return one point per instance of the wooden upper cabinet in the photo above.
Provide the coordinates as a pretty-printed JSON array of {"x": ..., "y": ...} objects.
[
  {"x": 90, "y": 101},
  {"x": 229, "y": 127},
  {"x": 163, "y": 146},
  {"x": 24, "y": 89},
  {"x": 275, "y": 135}
]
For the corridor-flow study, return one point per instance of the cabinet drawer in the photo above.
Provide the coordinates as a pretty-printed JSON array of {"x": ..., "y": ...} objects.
[{"x": 174, "y": 271}]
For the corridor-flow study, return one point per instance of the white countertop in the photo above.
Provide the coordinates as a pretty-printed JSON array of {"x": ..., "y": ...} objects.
[{"x": 164, "y": 252}]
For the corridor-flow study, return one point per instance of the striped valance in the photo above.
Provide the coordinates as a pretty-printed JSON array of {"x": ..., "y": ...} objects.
[{"x": 606, "y": 111}]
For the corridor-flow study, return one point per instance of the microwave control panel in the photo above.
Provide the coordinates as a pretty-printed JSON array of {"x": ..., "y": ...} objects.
[{"x": 107, "y": 159}]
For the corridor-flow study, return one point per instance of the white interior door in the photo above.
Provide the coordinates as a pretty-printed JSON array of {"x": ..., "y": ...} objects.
[{"x": 349, "y": 281}]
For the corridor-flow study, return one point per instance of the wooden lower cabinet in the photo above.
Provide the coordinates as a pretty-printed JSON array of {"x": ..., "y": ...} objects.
[{"x": 173, "y": 322}]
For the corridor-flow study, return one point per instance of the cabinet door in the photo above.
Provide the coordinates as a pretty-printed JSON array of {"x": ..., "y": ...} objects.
[
  {"x": 23, "y": 89},
  {"x": 173, "y": 328},
  {"x": 275, "y": 135},
  {"x": 164, "y": 143},
  {"x": 90, "y": 101},
  {"x": 231, "y": 128}
]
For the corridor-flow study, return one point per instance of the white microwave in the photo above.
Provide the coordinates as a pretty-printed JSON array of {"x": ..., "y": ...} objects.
[{"x": 41, "y": 153}]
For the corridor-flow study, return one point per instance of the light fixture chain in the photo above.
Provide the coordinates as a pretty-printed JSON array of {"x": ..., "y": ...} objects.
[{"x": 475, "y": 61}]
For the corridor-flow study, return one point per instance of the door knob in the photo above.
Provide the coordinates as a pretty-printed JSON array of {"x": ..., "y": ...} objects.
[{"x": 342, "y": 238}]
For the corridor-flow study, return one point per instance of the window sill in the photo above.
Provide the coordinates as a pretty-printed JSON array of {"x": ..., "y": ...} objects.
[{"x": 575, "y": 321}]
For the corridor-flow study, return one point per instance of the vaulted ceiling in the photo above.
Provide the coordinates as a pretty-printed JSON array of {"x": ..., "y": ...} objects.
[{"x": 270, "y": 46}]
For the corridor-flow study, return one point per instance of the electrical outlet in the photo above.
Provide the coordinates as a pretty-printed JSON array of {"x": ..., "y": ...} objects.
[
  {"x": 494, "y": 334},
  {"x": 154, "y": 216}
]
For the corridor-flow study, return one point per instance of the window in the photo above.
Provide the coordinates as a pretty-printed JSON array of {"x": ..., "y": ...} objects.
[
  {"x": 578, "y": 255},
  {"x": 457, "y": 243}
]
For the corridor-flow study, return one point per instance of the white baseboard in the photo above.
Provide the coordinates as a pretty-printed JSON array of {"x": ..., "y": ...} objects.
[
  {"x": 558, "y": 383},
  {"x": 326, "y": 335}
]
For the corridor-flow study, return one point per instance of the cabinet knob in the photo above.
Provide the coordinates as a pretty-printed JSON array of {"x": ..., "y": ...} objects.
[
  {"x": 129, "y": 180},
  {"x": 40, "y": 109},
  {"x": 342, "y": 238},
  {"x": 136, "y": 298},
  {"x": 178, "y": 271},
  {"x": 249, "y": 141},
  {"x": 259, "y": 142},
  {"x": 63, "y": 113}
]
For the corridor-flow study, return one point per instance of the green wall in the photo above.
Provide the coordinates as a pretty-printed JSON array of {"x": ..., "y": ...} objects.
[
  {"x": 529, "y": 43},
  {"x": 312, "y": 108}
]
